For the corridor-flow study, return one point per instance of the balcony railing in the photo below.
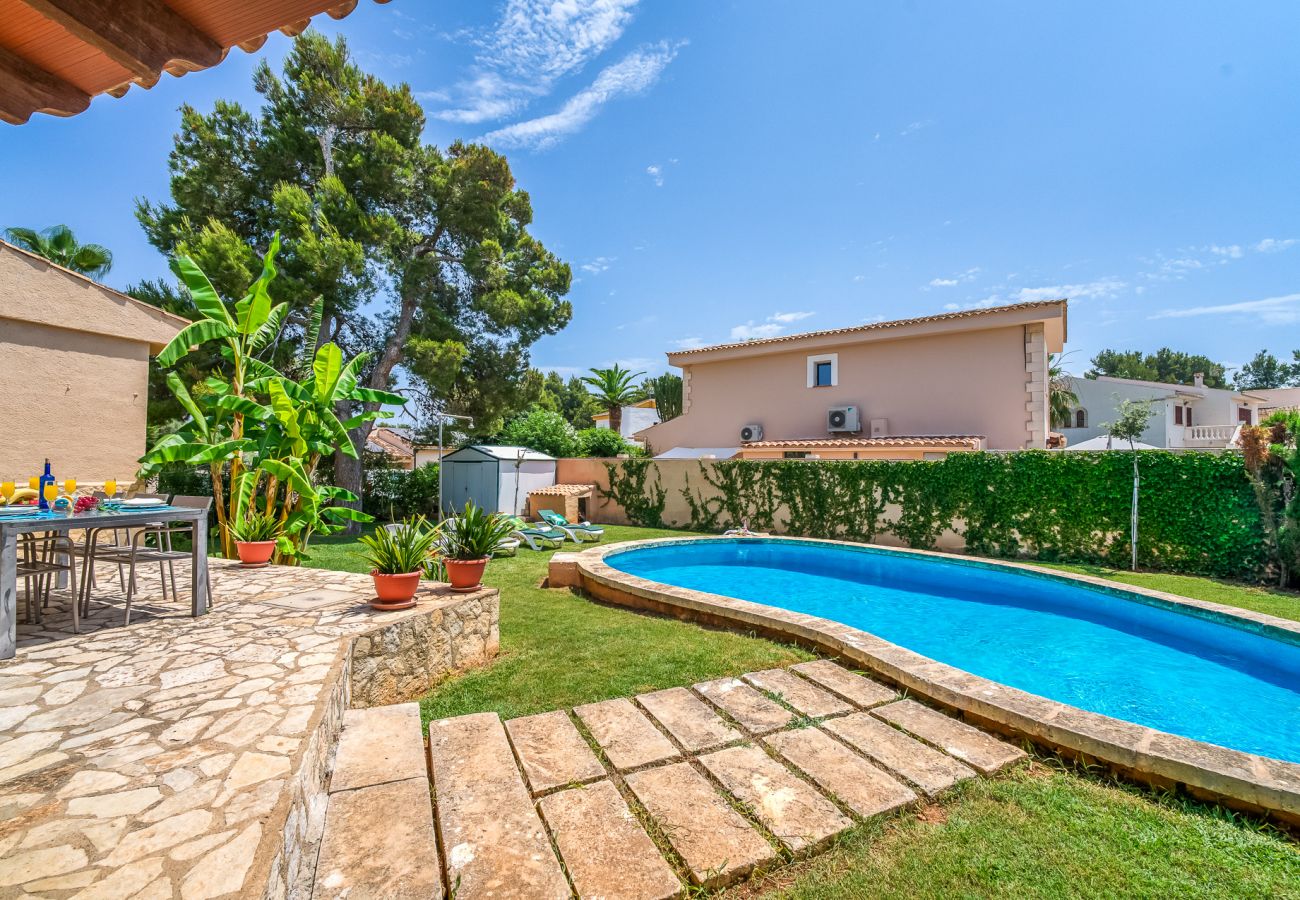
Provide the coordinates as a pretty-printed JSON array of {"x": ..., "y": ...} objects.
[{"x": 1211, "y": 434}]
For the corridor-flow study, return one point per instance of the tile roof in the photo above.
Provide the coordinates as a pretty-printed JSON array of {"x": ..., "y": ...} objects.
[
  {"x": 972, "y": 441},
  {"x": 565, "y": 490},
  {"x": 876, "y": 326}
]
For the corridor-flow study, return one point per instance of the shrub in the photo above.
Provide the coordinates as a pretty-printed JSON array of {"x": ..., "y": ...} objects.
[
  {"x": 601, "y": 442},
  {"x": 395, "y": 494},
  {"x": 544, "y": 431}
]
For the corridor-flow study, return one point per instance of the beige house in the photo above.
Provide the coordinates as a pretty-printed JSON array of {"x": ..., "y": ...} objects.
[
  {"x": 911, "y": 389},
  {"x": 74, "y": 371}
]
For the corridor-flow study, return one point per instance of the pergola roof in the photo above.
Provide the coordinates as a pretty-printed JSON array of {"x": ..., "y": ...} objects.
[{"x": 55, "y": 55}]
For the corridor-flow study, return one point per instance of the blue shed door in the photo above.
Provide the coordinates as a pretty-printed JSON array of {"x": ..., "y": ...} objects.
[{"x": 469, "y": 480}]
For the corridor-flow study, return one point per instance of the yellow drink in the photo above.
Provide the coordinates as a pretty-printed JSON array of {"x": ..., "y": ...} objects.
[
  {"x": 70, "y": 485},
  {"x": 6, "y": 490},
  {"x": 34, "y": 482},
  {"x": 110, "y": 487},
  {"x": 51, "y": 492}
]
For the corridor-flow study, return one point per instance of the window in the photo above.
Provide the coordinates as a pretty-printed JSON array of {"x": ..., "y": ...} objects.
[
  {"x": 1178, "y": 415},
  {"x": 1243, "y": 415},
  {"x": 823, "y": 371},
  {"x": 1080, "y": 418}
]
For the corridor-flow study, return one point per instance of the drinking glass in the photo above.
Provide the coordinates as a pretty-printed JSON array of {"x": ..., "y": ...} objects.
[
  {"x": 6, "y": 490},
  {"x": 110, "y": 487},
  {"x": 51, "y": 492},
  {"x": 70, "y": 486},
  {"x": 34, "y": 482}
]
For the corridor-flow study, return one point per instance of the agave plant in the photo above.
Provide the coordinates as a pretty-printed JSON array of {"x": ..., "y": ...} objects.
[
  {"x": 474, "y": 534},
  {"x": 263, "y": 431},
  {"x": 401, "y": 550},
  {"x": 255, "y": 527}
]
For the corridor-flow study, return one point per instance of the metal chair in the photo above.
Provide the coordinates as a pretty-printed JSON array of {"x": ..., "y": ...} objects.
[{"x": 44, "y": 556}]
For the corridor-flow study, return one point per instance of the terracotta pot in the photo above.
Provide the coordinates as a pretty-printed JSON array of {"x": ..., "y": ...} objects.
[
  {"x": 395, "y": 591},
  {"x": 465, "y": 575},
  {"x": 255, "y": 554}
]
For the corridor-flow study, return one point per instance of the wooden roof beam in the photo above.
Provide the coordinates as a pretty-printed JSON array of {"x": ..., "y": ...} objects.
[
  {"x": 26, "y": 88},
  {"x": 142, "y": 36}
]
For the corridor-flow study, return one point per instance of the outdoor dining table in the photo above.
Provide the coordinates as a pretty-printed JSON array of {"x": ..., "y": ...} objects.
[{"x": 14, "y": 524}]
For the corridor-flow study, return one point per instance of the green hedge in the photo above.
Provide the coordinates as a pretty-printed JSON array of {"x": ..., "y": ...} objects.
[{"x": 1198, "y": 512}]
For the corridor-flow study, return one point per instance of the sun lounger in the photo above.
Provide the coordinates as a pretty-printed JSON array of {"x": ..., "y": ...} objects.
[
  {"x": 577, "y": 531},
  {"x": 537, "y": 537}
]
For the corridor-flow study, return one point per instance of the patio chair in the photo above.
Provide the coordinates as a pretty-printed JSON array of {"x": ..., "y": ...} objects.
[
  {"x": 535, "y": 537},
  {"x": 43, "y": 558},
  {"x": 577, "y": 531}
]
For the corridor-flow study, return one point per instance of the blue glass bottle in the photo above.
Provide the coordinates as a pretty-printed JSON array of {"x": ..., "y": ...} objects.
[{"x": 47, "y": 478}]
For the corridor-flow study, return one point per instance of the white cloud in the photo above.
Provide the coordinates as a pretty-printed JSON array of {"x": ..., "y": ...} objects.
[
  {"x": 533, "y": 45},
  {"x": 914, "y": 127},
  {"x": 694, "y": 342},
  {"x": 770, "y": 327},
  {"x": 943, "y": 282},
  {"x": 959, "y": 278},
  {"x": 785, "y": 318},
  {"x": 431, "y": 96},
  {"x": 599, "y": 264},
  {"x": 1274, "y": 245},
  {"x": 1284, "y": 310},
  {"x": 751, "y": 332},
  {"x": 631, "y": 75},
  {"x": 1232, "y": 251},
  {"x": 1104, "y": 287},
  {"x": 637, "y": 323},
  {"x": 656, "y": 174},
  {"x": 859, "y": 277}
]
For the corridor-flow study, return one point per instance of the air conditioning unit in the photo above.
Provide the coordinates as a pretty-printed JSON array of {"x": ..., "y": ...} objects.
[
  {"x": 751, "y": 433},
  {"x": 843, "y": 419}
]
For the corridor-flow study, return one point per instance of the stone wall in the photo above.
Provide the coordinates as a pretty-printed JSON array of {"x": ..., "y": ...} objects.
[{"x": 393, "y": 663}]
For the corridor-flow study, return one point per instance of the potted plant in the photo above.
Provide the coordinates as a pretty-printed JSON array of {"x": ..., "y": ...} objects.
[
  {"x": 255, "y": 539},
  {"x": 467, "y": 541},
  {"x": 398, "y": 554}
]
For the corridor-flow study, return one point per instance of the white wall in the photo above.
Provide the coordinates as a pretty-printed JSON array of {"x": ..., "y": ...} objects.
[{"x": 532, "y": 475}]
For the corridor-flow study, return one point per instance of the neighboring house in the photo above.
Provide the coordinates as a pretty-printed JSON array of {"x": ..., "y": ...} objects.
[
  {"x": 1186, "y": 415},
  {"x": 636, "y": 417},
  {"x": 394, "y": 445},
  {"x": 1277, "y": 398},
  {"x": 428, "y": 454},
  {"x": 74, "y": 371},
  {"x": 912, "y": 389}
]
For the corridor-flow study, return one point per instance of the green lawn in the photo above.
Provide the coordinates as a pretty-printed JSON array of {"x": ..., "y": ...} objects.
[{"x": 1044, "y": 831}]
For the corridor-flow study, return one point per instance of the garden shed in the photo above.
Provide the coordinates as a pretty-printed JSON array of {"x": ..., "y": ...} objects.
[{"x": 496, "y": 478}]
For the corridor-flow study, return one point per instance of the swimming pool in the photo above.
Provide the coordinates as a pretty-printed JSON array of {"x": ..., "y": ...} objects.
[{"x": 1109, "y": 652}]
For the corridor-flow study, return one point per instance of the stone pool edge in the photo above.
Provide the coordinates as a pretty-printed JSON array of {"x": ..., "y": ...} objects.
[{"x": 1242, "y": 780}]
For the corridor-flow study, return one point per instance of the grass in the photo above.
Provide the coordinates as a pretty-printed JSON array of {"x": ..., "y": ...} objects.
[
  {"x": 559, "y": 649},
  {"x": 1046, "y": 830}
]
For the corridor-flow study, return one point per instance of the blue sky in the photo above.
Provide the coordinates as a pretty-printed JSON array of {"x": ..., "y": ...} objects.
[{"x": 715, "y": 171}]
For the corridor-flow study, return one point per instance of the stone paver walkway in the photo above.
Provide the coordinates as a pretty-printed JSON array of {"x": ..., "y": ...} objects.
[
  {"x": 704, "y": 786},
  {"x": 187, "y": 757}
]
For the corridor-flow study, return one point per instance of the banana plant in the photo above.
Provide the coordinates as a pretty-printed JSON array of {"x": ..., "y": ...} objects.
[{"x": 264, "y": 430}]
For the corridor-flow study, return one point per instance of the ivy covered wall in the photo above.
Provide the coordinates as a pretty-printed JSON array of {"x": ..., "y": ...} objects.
[{"x": 1198, "y": 513}]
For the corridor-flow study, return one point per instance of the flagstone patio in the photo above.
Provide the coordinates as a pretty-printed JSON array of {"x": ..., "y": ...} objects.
[{"x": 190, "y": 757}]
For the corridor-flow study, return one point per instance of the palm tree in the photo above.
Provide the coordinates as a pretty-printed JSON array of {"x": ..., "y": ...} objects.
[
  {"x": 614, "y": 389},
  {"x": 1061, "y": 398},
  {"x": 58, "y": 244}
]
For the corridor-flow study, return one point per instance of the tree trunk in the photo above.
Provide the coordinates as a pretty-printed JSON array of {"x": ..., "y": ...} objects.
[
  {"x": 349, "y": 474},
  {"x": 616, "y": 420},
  {"x": 1133, "y": 519}
]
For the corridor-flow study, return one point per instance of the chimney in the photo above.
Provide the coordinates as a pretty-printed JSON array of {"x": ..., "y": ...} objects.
[{"x": 1198, "y": 379}]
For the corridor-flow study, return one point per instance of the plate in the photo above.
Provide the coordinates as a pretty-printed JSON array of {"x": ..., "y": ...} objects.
[{"x": 144, "y": 501}]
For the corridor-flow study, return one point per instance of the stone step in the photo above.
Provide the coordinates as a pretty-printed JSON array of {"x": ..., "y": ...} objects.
[
  {"x": 606, "y": 851},
  {"x": 797, "y": 693},
  {"x": 980, "y": 749},
  {"x": 628, "y": 738},
  {"x": 859, "y": 785},
  {"x": 688, "y": 719},
  {"x": 861, "y": 692},
  {"x": 552, "y": 752},
  {"x": 493, "y": 840},
  {"x": 378, "y": 800},
  {"x": 755, "y": 712},
  {"x": 377, "y": 745},
  {"x": 788, "y": 806},
  {"x": 716, "y": 843},
  {"x": 927, "y": 768}
]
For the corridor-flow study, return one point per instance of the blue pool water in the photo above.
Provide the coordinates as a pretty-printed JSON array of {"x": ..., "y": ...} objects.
[{"x": 1068, "y": 642}]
